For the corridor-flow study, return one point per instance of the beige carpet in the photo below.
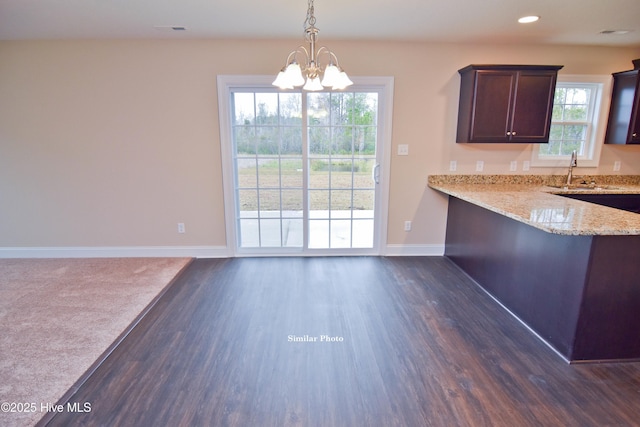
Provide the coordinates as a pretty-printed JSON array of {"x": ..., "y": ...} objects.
[{"x": 57, "y": 316}]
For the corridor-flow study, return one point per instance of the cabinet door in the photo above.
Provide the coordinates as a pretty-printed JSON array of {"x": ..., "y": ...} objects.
[
  {"x": 492, "y": 106},
  {"x": 634, "y": 128},
  {"x": 624, "y": 122},
  {"x": 532, "y": 107}
]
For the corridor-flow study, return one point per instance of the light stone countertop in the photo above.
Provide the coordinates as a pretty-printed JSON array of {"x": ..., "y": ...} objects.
[{"x": 536, "y": 200}]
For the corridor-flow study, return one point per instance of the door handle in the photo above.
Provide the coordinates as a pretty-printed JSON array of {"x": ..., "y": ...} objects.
[{"x": 375, "y": 173}]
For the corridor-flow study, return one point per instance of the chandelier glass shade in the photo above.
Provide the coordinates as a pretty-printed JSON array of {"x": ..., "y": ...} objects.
[{"x": 310, "y": 73}]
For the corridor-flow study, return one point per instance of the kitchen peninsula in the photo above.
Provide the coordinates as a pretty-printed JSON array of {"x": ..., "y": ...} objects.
[{"x": 567, "y": 268}]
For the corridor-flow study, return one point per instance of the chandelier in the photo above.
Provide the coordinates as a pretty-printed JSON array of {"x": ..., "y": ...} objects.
[{"x": 310, "y": 72}]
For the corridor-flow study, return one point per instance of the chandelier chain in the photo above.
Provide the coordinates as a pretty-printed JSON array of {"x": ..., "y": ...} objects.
[{"x": 310, "y": 21}]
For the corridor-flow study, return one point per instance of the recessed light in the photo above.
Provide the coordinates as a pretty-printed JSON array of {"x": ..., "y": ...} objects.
[
  {"x": 170, "y": 28},
  {"x": 615, "y": 32},
  {"x": 528, "y": 19}
]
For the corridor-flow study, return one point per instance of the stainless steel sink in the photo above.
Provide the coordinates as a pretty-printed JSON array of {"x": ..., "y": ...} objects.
[{"x": 585, "y": 187}]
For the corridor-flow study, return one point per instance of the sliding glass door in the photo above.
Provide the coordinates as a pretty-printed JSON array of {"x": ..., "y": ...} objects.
[{"x": 305, "y": 171}]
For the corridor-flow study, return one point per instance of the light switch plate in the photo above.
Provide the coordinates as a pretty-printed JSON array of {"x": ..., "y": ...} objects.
[
  {"x": 479, "y": 166},
  {"x": 403, "y": 149}
]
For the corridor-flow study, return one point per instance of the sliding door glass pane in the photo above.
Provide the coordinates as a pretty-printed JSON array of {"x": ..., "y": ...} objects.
[
  {"x": 341, "y": 160},
  {"x": 295, "y": 164},
  {"x": 267, "y": 129}
]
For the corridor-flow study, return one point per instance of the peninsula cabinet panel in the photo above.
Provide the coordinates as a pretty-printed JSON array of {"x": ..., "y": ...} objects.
[
  {"x": 506, "y": 103},
  {"x": 624, "y": 115},
  {"x": 580, "y": 294}
]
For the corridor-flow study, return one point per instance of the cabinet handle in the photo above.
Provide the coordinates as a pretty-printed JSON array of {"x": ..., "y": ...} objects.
[
  {"x": 508, "y": 133},
  {"x": 634, "y": 135},
  {"x": 513, "y": 133}
]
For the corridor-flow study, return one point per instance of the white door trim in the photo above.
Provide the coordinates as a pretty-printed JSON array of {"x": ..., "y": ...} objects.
[{"x": 384, "y": 85}]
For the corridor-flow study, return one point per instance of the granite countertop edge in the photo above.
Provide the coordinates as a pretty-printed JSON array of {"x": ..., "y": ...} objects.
[{"x": 536, "y": 200}]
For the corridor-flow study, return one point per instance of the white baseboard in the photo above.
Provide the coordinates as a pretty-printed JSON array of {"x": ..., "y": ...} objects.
[
  {"x": 415, "y": 250},
  {"x": 175, "y": 251},
  {"x": 116, "y": 252}
]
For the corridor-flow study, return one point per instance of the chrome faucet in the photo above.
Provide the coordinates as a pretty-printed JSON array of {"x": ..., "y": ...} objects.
[{"x": 572, "y": 164}]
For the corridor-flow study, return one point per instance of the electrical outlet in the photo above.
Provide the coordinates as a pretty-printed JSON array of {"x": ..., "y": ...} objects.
[
  {"x": 453, "y": 166},
  {"x": 479, "y": 166},
  {"x": 616, "y": 165},
  {"x": 525, "y": 165},
  {"x": 513, "y": 166},
  {"x": 407, "y": 226},
  {"x": 403, "y": 149},
  {"x": 181, "y": 228}
]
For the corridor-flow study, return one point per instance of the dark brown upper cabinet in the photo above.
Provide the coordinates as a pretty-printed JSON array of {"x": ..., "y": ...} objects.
[
  {"x": 506, "y": 103},
  {"x": 623, "y": 126}
]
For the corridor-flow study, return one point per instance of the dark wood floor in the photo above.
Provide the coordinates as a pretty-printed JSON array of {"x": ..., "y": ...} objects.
[{"x": 419, "y": 344}]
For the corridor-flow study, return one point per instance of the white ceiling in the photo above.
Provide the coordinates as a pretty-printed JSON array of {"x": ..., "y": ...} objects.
[{"x": 492, "y": 21}]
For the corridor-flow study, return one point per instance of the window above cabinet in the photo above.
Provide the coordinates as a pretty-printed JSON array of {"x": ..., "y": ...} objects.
[{"x": 578, "y": 122}]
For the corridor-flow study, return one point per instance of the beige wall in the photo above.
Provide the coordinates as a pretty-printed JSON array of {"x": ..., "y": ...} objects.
[{"x": 111, "y": 143}]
